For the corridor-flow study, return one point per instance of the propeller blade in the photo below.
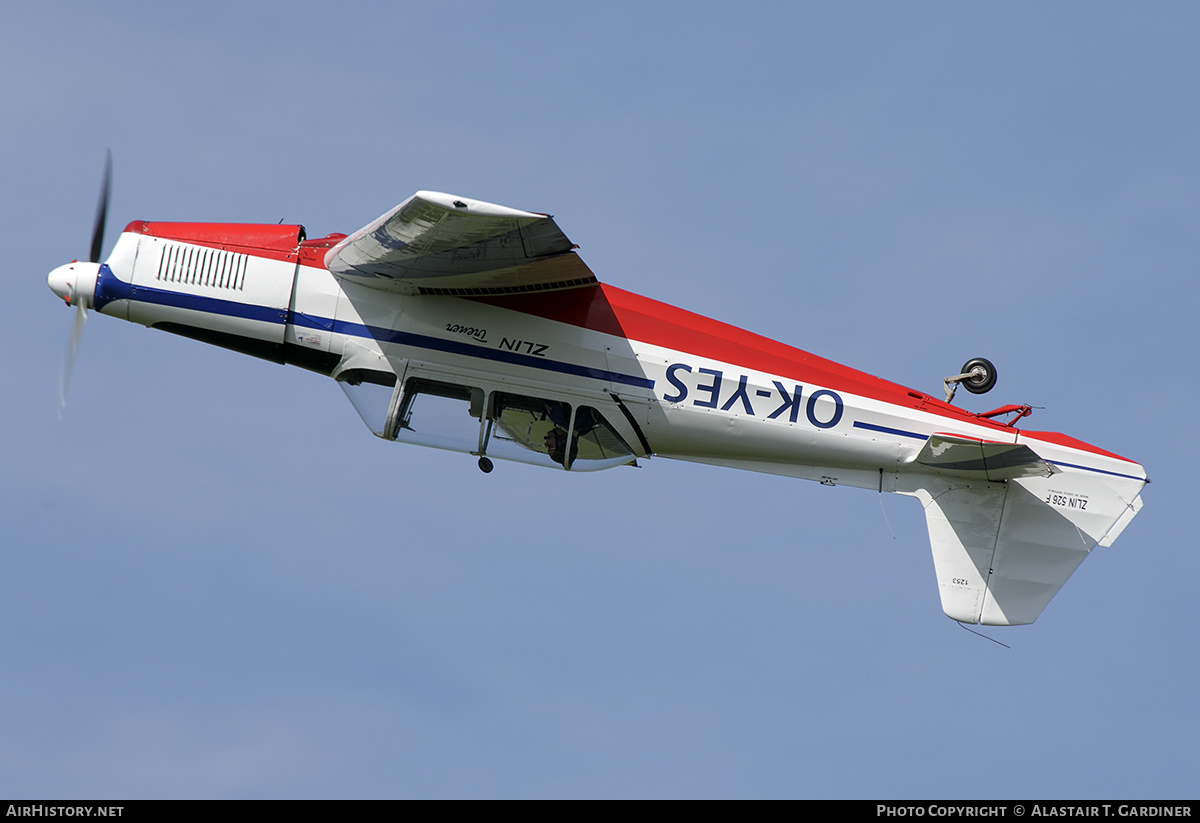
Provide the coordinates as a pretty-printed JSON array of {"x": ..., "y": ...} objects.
[
  {"x": 76, "y": 334},
  {"x": 101, "y": 210},
  {"x": 70, "y": 287}
]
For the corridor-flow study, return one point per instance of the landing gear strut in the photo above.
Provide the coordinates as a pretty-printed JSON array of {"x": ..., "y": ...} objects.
[{"x": 978, "y": 375}]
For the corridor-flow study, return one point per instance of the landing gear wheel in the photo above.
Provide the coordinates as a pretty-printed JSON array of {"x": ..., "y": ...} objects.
[
  {"x": 979, "y": 383},
  {"x": 485, "y": 465}
]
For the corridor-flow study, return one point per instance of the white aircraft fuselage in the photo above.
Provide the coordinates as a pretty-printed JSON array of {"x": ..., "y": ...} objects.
[{"x": 502, "y": 371}]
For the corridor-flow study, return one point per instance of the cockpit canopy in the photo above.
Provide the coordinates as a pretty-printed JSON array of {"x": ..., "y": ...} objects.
[{"x": 495, "y": 423}]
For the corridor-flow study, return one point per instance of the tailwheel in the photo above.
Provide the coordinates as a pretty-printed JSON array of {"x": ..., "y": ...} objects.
[
  {"x": 982, "y": 375},
  {"x": 978, "y": 375}
]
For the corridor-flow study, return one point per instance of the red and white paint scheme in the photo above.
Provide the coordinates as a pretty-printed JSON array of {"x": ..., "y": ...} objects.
[{"x": 460, "y": 324}]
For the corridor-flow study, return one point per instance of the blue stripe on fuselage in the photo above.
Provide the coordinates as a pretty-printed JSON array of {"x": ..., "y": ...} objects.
[
  {"x": 1098, "y": 471},
  {"x": 118, "y": 290},
  {"x": 858, "y": 424}
]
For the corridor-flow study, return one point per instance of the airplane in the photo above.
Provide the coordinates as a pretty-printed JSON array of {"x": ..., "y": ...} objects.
[{"x": 465, "y": 325}]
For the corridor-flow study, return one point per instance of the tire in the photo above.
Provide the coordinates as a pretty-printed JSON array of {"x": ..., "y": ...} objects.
[{"x": 979, "y": 385}]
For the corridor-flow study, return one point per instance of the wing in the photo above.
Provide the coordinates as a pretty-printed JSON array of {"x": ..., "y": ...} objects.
[{"x": 436, "y": 243}]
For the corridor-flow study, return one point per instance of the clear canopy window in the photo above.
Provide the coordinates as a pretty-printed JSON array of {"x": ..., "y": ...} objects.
[{"x": 502, "y": 425}]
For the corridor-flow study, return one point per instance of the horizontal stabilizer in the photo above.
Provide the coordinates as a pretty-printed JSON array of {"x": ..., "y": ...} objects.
[
  {"x": 981, "y": 459},
  {"x": 436, "y": 243}
]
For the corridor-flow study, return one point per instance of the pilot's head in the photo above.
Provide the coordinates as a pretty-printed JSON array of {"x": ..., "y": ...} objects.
[{"x": 555, "y": 444}]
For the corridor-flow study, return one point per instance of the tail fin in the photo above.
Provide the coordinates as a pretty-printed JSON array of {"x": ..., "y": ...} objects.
[{"x": 1002, "y": 550}]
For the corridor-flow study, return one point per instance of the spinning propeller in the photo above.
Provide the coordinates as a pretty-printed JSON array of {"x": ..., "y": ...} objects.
[{"x": 76, "y": 282}]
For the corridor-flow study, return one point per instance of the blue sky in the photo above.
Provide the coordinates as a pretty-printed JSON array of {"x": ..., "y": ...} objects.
[{"x": 219, "y": 584}]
